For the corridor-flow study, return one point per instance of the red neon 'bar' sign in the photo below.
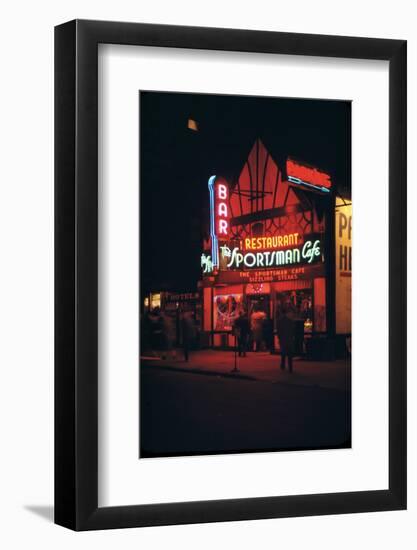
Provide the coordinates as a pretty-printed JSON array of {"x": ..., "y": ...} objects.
[
  {"x": 222, "y": 213},
  {"x": 219, "y": 214},
  {"x": 220, "y": 208}
]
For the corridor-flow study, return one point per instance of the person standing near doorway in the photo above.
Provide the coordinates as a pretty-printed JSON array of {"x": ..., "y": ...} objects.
[
  {"x": 286, "y": 334},
  {"x": 242, "y": 330},
  {"x": 268, "y": 333},
  {"x": 256, "y": 325}
]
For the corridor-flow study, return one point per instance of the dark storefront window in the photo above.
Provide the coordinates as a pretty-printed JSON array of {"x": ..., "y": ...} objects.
[{"x": 299, "y": 303}]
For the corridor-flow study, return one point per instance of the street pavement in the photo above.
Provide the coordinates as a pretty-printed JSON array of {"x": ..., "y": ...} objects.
[
  {"x": 201, "y": 408},
  {"x": 259, "y": 366}
]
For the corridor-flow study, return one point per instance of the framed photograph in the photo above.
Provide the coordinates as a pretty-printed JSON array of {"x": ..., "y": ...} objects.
[{"x": 230, "y": 247}]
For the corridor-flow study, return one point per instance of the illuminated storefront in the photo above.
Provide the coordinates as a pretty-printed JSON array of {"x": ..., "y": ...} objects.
[{"x": 272, "y": 245}]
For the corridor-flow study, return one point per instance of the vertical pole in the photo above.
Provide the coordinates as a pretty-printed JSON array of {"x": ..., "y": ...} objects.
[
  {"x": 235, "y": 369},
  {"x": 212, "y": 317},
  {"x": 330, "y": 268}
]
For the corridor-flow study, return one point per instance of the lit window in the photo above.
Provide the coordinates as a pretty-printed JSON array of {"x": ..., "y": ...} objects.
[
  {"x": 192, "y": 125},
  {"x": 155, "y": 300}
]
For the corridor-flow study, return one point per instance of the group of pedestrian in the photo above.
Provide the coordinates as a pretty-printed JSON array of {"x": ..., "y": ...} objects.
[
  {"x": 163, "y": 332},
  {"x": 253, "y": 333}
]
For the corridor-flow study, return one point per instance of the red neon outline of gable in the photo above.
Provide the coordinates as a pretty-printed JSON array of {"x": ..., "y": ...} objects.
[{"x": 259, "y": 186}]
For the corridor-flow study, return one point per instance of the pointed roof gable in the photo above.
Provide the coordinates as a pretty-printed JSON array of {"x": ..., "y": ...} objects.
[{"x": 260, "y": 185}]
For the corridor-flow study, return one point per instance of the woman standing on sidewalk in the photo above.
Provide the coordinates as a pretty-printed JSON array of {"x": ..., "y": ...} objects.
[
  {"x": 286, "y": 334},
  {"x": 168, "y": 331},
  {"x": 242, "y": 330},
  {"x": 256, "y": 324},
  {"x": 187, "y": 328}
]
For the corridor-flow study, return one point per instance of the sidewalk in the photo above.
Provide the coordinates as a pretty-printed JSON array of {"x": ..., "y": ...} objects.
[{"x": 261, "y": 366}]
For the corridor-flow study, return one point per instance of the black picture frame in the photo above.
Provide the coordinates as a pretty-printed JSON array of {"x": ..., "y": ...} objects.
[{"x": 76, "y": 272}]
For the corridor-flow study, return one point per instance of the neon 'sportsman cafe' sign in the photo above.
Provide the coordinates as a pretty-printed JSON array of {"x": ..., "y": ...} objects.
[
  {"x": 248, "y": 255},
  {"x": 307, "y": 253}
]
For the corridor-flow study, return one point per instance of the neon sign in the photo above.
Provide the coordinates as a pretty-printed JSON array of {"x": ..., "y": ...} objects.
[
  {"x": 266, "y": 243},
  {"x": 206, "y": 263},
  {"x": 300, "y": 174},
  {"x": 219, "y": 215},
  {"x": 308, "y": 253}
]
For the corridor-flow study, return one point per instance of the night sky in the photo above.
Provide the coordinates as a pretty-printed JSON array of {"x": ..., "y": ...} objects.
[{"x": 176, "y": 163}]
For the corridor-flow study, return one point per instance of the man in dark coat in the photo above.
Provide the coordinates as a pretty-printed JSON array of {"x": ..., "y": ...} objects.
[
  {"x": 268, "y": 333},
  {"x": 187, "y": 333},
  {"x": 242, "y": 329},
  {"x": 286, "y": 333}
]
